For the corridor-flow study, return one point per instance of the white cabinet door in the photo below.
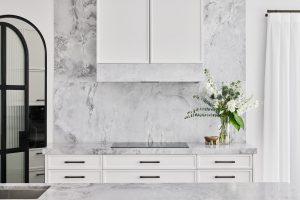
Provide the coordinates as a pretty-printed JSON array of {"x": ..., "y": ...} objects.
[
  {"x": 123, "y": 31},
  {"x": 37, "y": 176},
  {"x": 224, "y": 176},
  {"x": 224, "y": 161},
  {"x": 74, "y": 162},
  {"x": 36, "y": 159},
  {"x": 149, "y": 176},
  {"x": 73, "y": 176},
  {"x": 175, "y": 31},
  {"x": 36, "y": 87},
  {"x": 149, "y": 162}
]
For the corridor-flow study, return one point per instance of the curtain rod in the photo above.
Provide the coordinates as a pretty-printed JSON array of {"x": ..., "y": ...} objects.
[{"x": 282, "y": 11}]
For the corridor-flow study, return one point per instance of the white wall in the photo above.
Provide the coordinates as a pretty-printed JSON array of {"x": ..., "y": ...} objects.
[
  {"x": 255, "y": 65},
  {"x": 40, "y": 13}
]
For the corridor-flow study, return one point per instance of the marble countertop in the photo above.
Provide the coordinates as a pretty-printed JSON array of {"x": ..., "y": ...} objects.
[
  {"x": 213, "y": 191},
  {"x": 105, "y": 149}
]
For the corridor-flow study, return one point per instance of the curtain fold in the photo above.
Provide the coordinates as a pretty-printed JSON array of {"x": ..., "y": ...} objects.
[{"x": 281, "y": 105}]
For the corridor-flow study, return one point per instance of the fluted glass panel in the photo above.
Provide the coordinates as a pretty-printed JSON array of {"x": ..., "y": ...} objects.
[
  {"x": 15, "y": 115},
  {"x": 0, "y": 57},
  {"x": 15, "y": 168},
  {"x": 0, "y": 119},
  {"x": 15, "y": 66}
]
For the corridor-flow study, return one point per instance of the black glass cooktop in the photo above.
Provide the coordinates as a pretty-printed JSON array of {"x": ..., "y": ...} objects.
[{"x": 150, "y": 145}]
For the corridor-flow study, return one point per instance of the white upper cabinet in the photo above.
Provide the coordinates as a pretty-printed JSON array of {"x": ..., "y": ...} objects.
[
  {"x": 175, "y": 31},
  {"x": 123, "y": 31},
  {"x": 149, "y": 31}
]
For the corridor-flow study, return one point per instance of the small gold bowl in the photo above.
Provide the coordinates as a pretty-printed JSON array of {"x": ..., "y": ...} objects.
[{"x": 211, "y": 140}]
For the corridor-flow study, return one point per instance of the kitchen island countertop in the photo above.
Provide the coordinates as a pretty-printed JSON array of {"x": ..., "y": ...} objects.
[{"x": 213, "y": 191}]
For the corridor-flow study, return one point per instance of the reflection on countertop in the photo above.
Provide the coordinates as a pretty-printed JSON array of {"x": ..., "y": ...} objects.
[{"x": 105, "y": 149}]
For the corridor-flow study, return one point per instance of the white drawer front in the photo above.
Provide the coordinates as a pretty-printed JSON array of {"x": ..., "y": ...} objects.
[
  {"x": 149, "y": 162},
  {"x": 74, "y": 162},
  {"x": 144, "y": 176},
  {"x": 225, "y": 176},
  {"x": 225, "y": 162},
  {"x": 56, "y": 176},
  {"x": 36, "y": 158},
  {"x": 37, "y": 176}
]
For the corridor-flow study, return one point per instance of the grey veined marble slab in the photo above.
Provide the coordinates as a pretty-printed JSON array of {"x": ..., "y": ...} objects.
[
  {"x": 213, "y": 191},
  {"x": 105, "y": 149}
]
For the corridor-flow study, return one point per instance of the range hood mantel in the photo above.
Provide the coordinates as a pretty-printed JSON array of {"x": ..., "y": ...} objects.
[{"x": 149, "y": 72}]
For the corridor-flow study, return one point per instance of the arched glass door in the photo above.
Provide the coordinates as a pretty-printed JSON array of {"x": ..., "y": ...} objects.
[{"x": 13, "y": 105}]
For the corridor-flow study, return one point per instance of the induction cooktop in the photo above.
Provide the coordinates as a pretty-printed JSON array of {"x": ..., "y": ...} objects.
[{"x": 150, "y": 145}]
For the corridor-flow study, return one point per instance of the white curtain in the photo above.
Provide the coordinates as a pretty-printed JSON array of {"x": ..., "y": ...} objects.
[{"x": 281, "y": 149}]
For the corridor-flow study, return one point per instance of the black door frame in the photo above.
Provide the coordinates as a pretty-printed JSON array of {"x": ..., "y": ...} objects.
[
  {"x": 23, "y": 141},
  {"x": 46, "y": 82},
  {"x": 46, "y": 57}
]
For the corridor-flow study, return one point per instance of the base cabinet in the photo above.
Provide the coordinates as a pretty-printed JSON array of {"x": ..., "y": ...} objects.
[
  {"x": 36, "y": 166},
  {"x": 149, "y": 168},
  {"x": 225, "y": 176},
  {"x": 74, "y": 176},
  {"x": 37, "y": 176},
  {"x": 145, "y": 176}
]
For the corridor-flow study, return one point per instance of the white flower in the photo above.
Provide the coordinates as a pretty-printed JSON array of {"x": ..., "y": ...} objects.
[
  {"x": 216, "y": 104},
  {"x": 231, "y": 105},
  {"x": 210, "y": 89},
  {"x": 246, "y": 105}
]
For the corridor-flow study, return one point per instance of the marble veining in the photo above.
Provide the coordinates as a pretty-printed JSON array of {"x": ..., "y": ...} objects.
[
  {"x": 105, "y": 149},
  {"x": 86, "y": 111},
  {"x": 212, "y": 191}
]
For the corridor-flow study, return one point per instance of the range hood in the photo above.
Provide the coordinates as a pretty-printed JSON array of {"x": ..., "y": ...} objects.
[{"x": 149, "y": 72}]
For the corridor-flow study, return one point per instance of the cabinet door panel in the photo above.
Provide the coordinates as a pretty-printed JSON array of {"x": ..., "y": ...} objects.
[
  {"x": 224, "y": 176},
  {"x": 123, "y": 31},
  {"x": 175, "y": 31},
  {"x": 149, "y": 176}
]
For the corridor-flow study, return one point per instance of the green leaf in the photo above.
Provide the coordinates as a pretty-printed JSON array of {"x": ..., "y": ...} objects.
[
  {"x": 239, "y": 120},
  {"x": 234, "y": 122}
]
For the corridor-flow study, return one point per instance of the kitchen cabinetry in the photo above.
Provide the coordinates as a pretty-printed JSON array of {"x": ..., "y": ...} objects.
[
  {"x": 175, "y": 31},
  {"x": 148, "y": 168},
  {"x": 74, "y": 169},
  {"x": 224, "y": 168},
  {"x": 37, "y": 87},
  {"x": 149, "y": 40},
  {"x": 36, "y": 166},
  {"x": 123, "y": 30},
  {"x": 149, "y": 31}
]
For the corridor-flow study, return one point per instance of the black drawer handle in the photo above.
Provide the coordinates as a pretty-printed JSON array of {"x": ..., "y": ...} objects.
[
  {"x": 41, "y": 174},
  {"x": 224, "y": 162},
  {"x": 224, "y": 176},
  {"x": 149, "y": 176},
  {"x": 40, "y": 100},
  {"x": 74, "y": 162},
  {"x": 74, "y": 176},
  {"x": 39, "y": 153},
  {"x": 148, "y": 162}
]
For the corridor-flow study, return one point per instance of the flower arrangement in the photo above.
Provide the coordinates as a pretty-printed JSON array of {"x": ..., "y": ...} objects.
[{"x": 227, "y": 102}]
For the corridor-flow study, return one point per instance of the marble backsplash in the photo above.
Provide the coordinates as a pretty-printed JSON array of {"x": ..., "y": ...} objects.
[{"x": 87, "y": 111}]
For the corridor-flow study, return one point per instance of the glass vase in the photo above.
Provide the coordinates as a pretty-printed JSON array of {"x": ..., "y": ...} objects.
[{"x": 224, "y": 137}]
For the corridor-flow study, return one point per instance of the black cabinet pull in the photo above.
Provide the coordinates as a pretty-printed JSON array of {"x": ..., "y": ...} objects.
[
  {"x": 74, "y": 162},
  {"x": 74, "y": 176},
  {"x": 41, "y": 174},
  {"x": 224, "y": 161},
  {"x": 149, "y": 176},
  {"x": 148, "y": 162},
  {"x": 40, "y": 100},
  {"x": 39, "y": 153},
  {"x": 224, "y": 176}
]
